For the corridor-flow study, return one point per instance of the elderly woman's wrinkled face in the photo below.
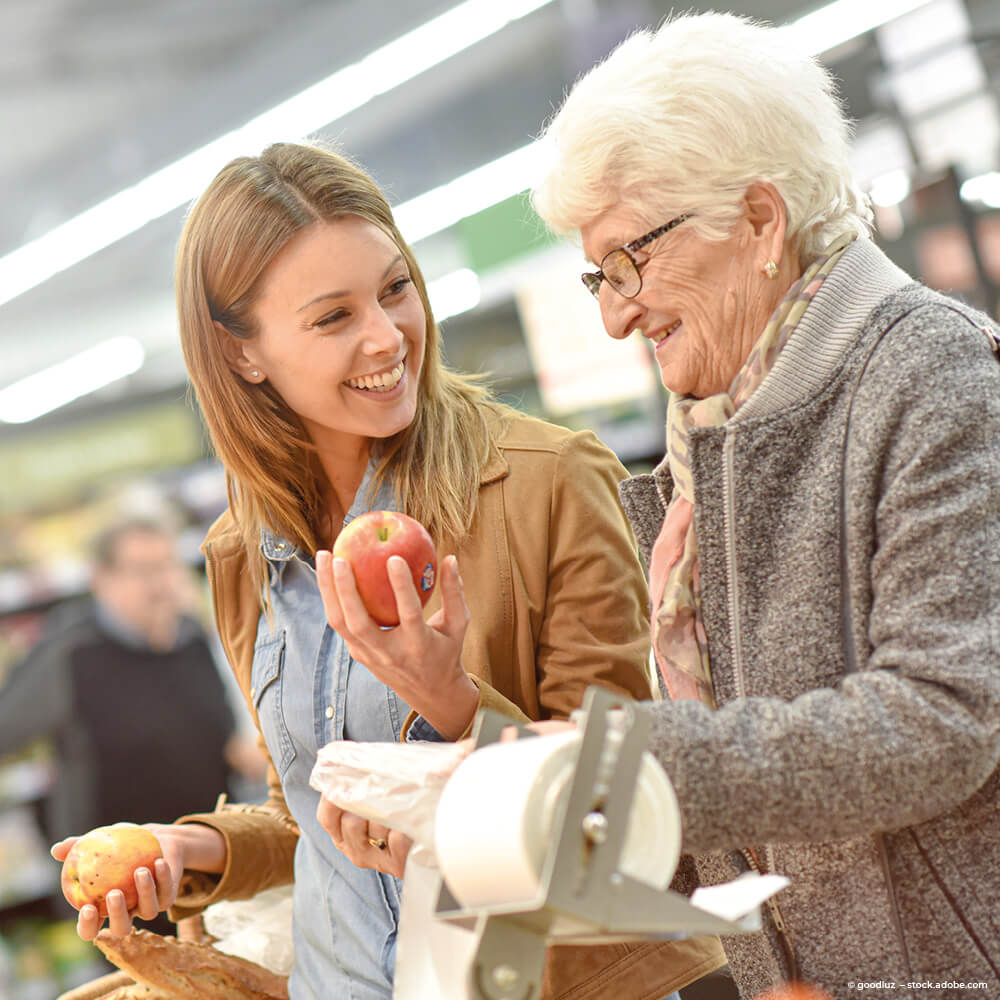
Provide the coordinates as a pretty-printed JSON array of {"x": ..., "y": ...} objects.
[{"x": 702, "y": 305}]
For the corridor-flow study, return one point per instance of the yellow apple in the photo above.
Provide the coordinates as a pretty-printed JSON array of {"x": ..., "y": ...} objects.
[{"x": 106, "y": 859}]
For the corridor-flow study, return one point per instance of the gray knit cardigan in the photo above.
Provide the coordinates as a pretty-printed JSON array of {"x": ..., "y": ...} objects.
[{"x": 848, "y": 525}]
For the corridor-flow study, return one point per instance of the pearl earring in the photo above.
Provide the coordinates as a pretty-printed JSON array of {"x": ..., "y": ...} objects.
[
  {"x": 771, "y": 270},
  {"x": 255, "y": 374}
]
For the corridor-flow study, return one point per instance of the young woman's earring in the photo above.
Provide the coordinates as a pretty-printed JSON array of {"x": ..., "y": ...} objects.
[
  {"x": 255, "y": 374},
  {"x": 771, "y": 270}
]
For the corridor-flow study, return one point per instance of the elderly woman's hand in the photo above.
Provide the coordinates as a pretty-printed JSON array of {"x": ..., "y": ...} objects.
[
  {"x": 364, "y": 843},
  {"x": 421, "y": 661}
]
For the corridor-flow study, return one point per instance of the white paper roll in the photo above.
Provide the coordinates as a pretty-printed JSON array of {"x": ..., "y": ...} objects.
[{"x": 496, "y": 816}]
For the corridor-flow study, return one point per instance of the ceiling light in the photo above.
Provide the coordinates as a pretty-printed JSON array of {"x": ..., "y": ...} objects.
[
  {"x": 890, "y": 188},
  {"x": 936, "y": 24},
  {"x": 842, "y": 20},
  {"x": 984, "y": 188},
  {"x": 879, "y": 147},
  {"x": 312, "y": 109},
  {"x": 964, "y": 134},
  {"x": 68, "y": 380},
  {"x": 487, "y": 185},
  {"x": 938, "y": 80},
  {"x": 454, "y": 293}
]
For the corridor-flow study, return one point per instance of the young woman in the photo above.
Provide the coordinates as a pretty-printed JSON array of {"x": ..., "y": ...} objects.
[{"x": 317, "y": 365}]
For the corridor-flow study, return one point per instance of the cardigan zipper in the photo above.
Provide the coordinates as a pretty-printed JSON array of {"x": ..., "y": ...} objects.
[
  {"x": 791, "y": 961},
  {"x": 732, "y": 583}
]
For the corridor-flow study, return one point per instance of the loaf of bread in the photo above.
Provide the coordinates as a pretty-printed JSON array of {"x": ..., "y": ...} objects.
[
  {"x": 135, "y": 991},
  {"x": 185, "y": 970}
]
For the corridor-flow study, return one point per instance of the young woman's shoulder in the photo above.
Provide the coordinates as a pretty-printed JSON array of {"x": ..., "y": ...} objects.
[
  {"x": 521, "y": 432},
  {"x": 527, "y": 446}
]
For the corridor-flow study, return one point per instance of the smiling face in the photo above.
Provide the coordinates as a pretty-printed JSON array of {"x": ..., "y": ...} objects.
[
  {"x": 340, "y": 335},
  {"x": 702, "y": 305}
]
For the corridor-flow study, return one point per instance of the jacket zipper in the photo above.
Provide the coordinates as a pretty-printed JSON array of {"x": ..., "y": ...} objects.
[
  {"x": 791, "y": 962},
  {"x": 732, "y": 584}
]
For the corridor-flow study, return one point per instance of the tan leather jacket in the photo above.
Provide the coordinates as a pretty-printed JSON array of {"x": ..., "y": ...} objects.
[{"x": 558, "y": 602}]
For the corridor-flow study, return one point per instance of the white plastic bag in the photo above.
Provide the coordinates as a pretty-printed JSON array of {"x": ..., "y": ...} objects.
[
  {"x": 395, "y": 784},
  {"x": 257, "y": 929}
]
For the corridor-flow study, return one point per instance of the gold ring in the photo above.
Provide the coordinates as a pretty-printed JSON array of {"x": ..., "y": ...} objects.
[{"x": 381, "y": 843}]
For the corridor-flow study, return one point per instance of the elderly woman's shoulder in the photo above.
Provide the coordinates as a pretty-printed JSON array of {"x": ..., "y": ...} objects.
[
  {"x": 937, "y": 317},
  {"x": 921, "y": 325},
  {"x": 928, "y": 342}
]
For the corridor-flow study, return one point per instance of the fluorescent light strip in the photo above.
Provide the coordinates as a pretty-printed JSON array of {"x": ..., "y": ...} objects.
[
  {"x": 346, "y": 90},
  {"x": 984, "y": 188},
  {"x": 454, "y": 293},
  {"x": 839, "y": 22},
  {"x": 487, "y": 185},
  {"x": 68, "y": 380}
]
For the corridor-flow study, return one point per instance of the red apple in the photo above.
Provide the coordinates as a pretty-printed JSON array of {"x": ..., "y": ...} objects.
[
  {"x": 106, "y": 859},
  {"x": 368, "y": 541}
]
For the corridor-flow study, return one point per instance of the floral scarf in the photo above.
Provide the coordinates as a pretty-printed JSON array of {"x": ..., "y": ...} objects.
[{"x": 679, "y": 639}]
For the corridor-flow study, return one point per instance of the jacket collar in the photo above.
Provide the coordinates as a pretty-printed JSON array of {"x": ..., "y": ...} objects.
[
  {"x": 862, "y": 278},
  {"x": 496, "y": 467}
]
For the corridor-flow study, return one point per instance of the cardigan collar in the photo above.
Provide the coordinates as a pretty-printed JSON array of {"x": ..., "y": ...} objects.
[{"x": 863, "y": 277}]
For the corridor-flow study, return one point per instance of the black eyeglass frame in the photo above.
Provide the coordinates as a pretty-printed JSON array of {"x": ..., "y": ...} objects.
[{"x": 592, "y": 279}]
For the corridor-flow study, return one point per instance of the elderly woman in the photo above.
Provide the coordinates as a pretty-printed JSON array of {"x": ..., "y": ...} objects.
[{"x": 822, "y": 536}]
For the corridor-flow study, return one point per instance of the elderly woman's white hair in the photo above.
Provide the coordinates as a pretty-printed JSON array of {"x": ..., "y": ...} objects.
[{"x": 683, "y": 119}]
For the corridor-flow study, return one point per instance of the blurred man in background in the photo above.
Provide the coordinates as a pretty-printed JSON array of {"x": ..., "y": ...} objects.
[{"x": 126, "y": 687}]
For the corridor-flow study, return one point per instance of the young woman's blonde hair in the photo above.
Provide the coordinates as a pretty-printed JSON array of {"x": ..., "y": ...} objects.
[{"x": 249, "y": 212}]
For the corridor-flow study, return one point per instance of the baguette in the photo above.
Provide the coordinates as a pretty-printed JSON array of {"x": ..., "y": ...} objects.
[{"x": 186, "y": 970}]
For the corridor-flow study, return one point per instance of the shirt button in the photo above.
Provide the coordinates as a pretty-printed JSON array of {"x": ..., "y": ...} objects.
[{"x": 329, "y": 711}]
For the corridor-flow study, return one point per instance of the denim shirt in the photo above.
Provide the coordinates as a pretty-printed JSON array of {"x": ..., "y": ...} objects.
[{"x": 309, "y": 691}]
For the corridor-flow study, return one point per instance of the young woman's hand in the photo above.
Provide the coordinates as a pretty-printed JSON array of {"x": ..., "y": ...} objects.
[
  {"x": 421, "y": 661},
  {"x": 363, "y": 842},
  {"x": 189, "y": 845}
]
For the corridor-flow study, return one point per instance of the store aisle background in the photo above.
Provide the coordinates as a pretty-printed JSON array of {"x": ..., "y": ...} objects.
[{"x": 106, "y": 107}]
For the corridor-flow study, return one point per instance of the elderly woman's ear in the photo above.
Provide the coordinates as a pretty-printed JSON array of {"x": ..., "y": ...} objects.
[{"x": 766, "y": 218}]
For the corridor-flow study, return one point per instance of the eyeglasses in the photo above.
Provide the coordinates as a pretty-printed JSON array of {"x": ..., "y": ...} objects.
[{"x": 619, "y": 269}]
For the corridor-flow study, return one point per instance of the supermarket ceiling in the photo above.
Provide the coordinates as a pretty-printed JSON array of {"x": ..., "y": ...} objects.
[{"x": 97, "y": 95}]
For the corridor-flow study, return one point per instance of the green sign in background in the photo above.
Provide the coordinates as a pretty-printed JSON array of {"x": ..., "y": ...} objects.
[{"x": 503, "y": 232}]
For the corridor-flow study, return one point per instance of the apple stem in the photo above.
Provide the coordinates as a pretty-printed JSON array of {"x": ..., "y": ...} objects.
[{"x": 383, "y": 534}]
